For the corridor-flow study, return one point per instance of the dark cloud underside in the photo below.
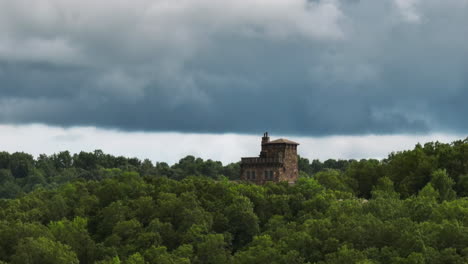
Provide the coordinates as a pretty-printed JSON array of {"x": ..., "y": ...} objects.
[{"x": 296, "y": 67}]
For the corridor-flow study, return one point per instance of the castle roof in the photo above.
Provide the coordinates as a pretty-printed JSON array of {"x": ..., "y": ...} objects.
[{"x": 283, "y": 141}]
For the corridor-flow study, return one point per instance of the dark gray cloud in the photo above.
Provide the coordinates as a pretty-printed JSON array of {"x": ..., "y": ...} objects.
[{"x": 297, "y": 67}]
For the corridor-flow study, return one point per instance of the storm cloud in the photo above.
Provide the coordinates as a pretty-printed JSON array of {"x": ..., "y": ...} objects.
[{"x": 322, "y": 67}]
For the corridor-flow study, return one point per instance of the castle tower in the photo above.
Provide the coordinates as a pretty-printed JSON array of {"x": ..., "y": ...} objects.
[
  {"x": 265, "y": 138},
  {"x": 277, "y": 162}
]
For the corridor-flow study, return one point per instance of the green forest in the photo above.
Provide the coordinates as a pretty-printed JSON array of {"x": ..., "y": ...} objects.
[{"x": 91, "y": 207}]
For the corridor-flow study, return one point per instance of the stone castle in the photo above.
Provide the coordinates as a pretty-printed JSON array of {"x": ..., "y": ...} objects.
[{"x": 277, "y": 162}]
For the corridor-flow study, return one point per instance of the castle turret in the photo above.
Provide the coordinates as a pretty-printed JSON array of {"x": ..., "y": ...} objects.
[{"x": 265, "y": 138}]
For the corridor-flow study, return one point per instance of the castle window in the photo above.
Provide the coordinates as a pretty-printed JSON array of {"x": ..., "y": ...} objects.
[
  {"x": 253, "y": 175},
  {"x": 269, "y": 175}
]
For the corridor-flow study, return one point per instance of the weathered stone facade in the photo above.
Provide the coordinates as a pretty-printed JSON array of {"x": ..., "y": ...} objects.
[{"x": 277, "y": 162}]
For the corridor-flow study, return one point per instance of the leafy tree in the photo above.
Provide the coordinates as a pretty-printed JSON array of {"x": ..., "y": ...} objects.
[
  {"x": 443, "y": 184},
  {"x": 263, "y": 250},
  {"x": 136, "y": 258},
  {"x": 161, "y": 256},
  {"x": 212, "y": 249},
  {"x": 43, "y": 251},
  {"x": 346, "y": 255},
  {"x": 366, "y": 173},
  {"x": 335, "y": 180},
  {"x": 21, "y": 164},
  {"x": 243, "y": 223},
  {"x": 62, "y": 160},
  {"x": 75, "y": 234}
]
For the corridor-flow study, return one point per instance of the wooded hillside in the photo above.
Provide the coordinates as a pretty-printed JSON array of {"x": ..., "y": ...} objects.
[{"x": 96, "y": 208}]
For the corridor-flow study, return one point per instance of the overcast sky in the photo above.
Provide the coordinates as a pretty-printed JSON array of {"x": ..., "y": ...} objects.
[{"x": 357, "y": 78}]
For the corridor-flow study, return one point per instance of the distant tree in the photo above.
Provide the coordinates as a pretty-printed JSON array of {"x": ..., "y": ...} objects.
[
  {"x": 4, "y": 160},
  {"x": 43, "y": 251},
  {"x": 75, "y": 234},
  {"x": 443, "y": 184},
  {"x": 335, "y": 180},
  {"x": 21, "y": 164},
  {"x": 212, "y": 249},
  {"x": 462, "y": 185},
  {"x": 366, "y": 173},
  {"x": 243, "y": 223},
  {"x": 85, "y": 160},
  {"x": 63, "y": 160}
]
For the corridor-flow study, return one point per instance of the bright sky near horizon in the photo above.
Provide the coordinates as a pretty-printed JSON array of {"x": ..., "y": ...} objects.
[{"x": 170, "y": 147}]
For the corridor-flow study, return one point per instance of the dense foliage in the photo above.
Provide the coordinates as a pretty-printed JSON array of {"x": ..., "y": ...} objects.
[
  {"x": 96, "y": 208},
  {"x": 20, "y": 173}
]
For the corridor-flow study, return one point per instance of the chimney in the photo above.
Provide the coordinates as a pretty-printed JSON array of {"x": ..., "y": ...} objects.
[{"x": 265, "y": 138}]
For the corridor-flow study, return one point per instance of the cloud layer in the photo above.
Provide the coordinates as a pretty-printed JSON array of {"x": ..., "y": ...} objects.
[{"x": 316, "y": 67}]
